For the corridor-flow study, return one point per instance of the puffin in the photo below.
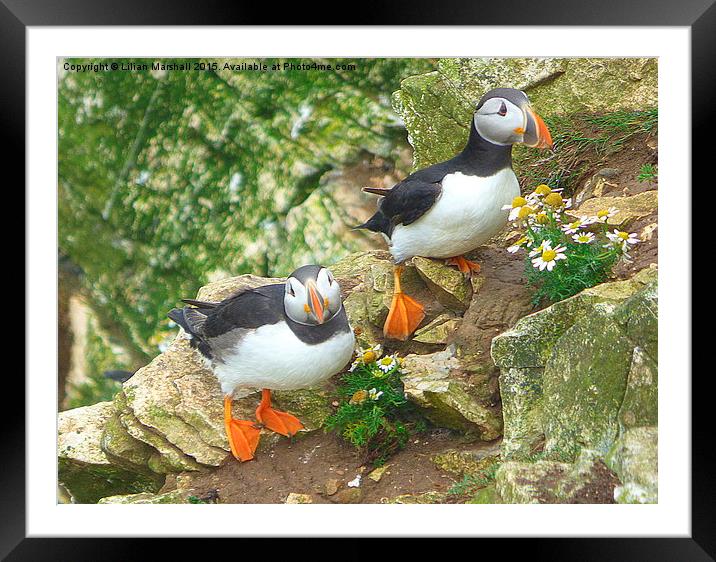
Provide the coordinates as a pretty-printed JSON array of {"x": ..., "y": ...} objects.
[
  {"x": 448, "y": 209},
  {"x": 281, "y": 336}
]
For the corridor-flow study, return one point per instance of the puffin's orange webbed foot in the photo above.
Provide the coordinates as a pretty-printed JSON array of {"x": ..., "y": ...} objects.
[
  {"x": 243, "y": 435},
  {"x": 405, "y": 314},
  {"x": 465, "y": 266},
  {"x": 275, "y": 420}
]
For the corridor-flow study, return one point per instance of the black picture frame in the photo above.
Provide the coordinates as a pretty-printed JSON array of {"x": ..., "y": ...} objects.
[{"x": 699, "y": 15}]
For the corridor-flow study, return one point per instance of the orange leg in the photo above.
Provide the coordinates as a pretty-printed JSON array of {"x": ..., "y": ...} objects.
[
  {"x": 243, "y": 435},
  {"x": 466, "y": 267},
  {"x": 405, "y": 313},
  {"x": 280, "y": 422}
]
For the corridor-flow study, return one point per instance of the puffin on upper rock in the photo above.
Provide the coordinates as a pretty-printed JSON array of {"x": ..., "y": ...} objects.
[
  {"x": 451, "y": 208},
  {"x": 281, "y": 336}
]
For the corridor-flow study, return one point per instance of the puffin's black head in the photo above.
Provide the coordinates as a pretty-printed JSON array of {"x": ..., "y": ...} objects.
[
  {"x": 312, "y": 296},
  {"x": 504, "y": 116}
]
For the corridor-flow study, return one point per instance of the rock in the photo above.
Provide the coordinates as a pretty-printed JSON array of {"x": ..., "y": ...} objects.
[
  {"x": 532, "y": 406},
  {"x": 377, "y": 474},
  {"x": 295, "y": 498},
  {"x": 521, "y": 482},
  {"x": 424, "y": 498},
  {"x": 595, "y": 186},
  {"x": 436, "y": 107},
  {"x": 348, "y": 495},
  {"x": 634, "y": 458},
  {"x": 175, "y": 496},
  {"x": 367, "y": 282},
  {"x": 332, "y": 485},
  {"x": 444, "y": 399},
  {"x": 467, "y": 462},
  {"x": 486, "y": 495},
  {"x": 629, "y": 208},
  {"x": 640, "y": 404},
  {"x": 584, "y": 382},
  {"x": 438, "y": 331},
  {"x": 450, "y": 287},
  {"x": 85, "y": 471},
  {"x": 586, "y": 481}
]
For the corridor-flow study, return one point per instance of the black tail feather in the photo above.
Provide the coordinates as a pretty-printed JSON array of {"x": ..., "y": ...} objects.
[{"x": 377, "y": 223}]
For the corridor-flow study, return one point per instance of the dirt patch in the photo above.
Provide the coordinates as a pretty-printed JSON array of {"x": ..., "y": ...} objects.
[
  {"x": 598, "y": 486},
  {"x": 319, "y": 463}
]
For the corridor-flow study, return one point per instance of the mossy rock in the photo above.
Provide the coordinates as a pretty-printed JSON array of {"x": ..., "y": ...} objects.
[
  {"x": 523, "y": 352},
  {"x": 84, "y": 470},
  {"x": 634, "y": 458},
  {"x": 521, "y": 392},
  {"x": 175, "y": 496},
  {"x": 445, "y": 399},
  {"x": 640, "y": 406},
  {"x": 584, "y": 384}
]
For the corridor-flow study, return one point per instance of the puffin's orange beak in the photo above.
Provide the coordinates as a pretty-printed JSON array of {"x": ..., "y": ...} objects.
[
  {"x": 536, "y": 134},
  {"x": 315, "y": 301}
]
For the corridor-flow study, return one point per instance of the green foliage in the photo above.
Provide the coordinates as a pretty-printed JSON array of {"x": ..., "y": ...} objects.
[
  {"x": 558, "y": 264},
  {"x": 100, "y": 358},
  {"x": 169, "y": 179},
  {"x": 586, "y": 265},
  {"x": 375, "y": 416},
  {"x": 647, "y": 173}
]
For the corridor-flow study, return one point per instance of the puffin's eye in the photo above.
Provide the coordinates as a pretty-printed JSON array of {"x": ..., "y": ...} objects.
[
  {"x": 503, "y": 110},
  {"x": 289, "y": 289}
]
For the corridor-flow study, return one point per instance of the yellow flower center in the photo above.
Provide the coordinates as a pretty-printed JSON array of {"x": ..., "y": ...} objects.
[
  {"x": 603, "y": 213},
  {"x": 386, "y": 361},
  {"x": 543, "y": 189},
  {"x": 623, "y": 235},
  {"x": 369, "y": 356},
  {"x": 583, "y": 238},
  {"x": 525, "y": 212},
  {"x": 519, "y": 202},
  {"x": 548, "y": 255},
  {"x": 554, "y": 200},
  {"x": 542, "y": 218}
]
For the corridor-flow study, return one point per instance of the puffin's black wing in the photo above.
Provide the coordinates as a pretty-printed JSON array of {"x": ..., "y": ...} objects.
[
  {"x": 249, "y": 309},
  {"x": 404, "y": 204}
]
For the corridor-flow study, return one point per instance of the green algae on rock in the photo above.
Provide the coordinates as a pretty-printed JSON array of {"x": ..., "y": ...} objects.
[
  {"x": 544, "y": 393},
  {"x": 85, "y": 471},
  {"x": 634, "y": 458},
  {"x": 445, "y": 399}
]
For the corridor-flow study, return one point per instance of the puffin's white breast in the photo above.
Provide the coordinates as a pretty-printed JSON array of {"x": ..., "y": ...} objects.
[
  {"x": 467, "y": 214},
  {"x": 273, "y": 357}
]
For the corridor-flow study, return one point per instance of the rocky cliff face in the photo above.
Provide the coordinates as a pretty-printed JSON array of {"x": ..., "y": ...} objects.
[{"x": 526, "y": 405}]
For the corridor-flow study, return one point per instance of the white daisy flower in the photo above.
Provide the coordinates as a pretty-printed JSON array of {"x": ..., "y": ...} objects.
[
  {"x": 387, "y": 363},
  {"x": 623, "y": 239},
  {"x": 517, "y": 245},
  {"x": 574, "y": 226},
  {"x": 549, "y": 258},
  {"x": 517, "y": 204},
  {"x": 366, "y": 356},
  {"x": 583, "y": 238},
  {"x": 545, "y": 245},
  {"x": 374, "y": 394},
  {"x": 604, "y": 215}
]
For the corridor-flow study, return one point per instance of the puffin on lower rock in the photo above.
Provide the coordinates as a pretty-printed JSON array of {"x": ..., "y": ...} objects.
[
  {"x": 449, "y": 209},
  {"x": 281, "y": 336}
]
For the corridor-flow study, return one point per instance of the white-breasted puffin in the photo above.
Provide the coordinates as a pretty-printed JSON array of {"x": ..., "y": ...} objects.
[
  {"x": 281, "y": 336},
  {"x": 451, "y": 208}
]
